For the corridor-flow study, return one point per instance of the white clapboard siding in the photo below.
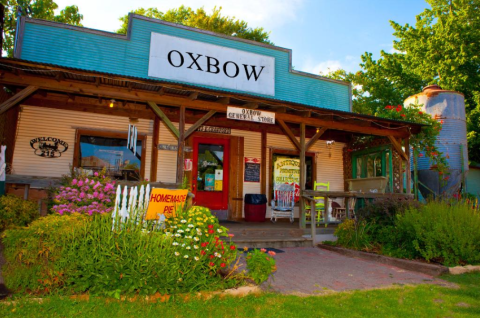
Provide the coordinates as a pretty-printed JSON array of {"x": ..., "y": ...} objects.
[{"x": 59, "y": 123}]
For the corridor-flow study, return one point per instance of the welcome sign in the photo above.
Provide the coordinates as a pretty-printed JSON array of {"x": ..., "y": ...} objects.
[{"x": 197, "y": 62}]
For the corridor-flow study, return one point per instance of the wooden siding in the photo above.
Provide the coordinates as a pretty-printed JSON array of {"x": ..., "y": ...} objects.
[
  {"x": 48, "y": 122},
  {"x": 83, "y": 49}
]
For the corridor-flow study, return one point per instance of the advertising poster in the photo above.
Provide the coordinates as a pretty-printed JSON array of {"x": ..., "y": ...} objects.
[{"x": 287, "y": 170}]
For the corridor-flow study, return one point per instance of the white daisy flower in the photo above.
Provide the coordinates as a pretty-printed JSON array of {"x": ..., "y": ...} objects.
[
  {"x": 177, "y": 253},
  {"x": 180, "y": 231},
  {"x": 195, "y": 247},
  {"x": 175, "y": 243},
  {"x": 188, "y": 248},
  {"x": 219, "y": 231},
  {"x": 196, "y": 258},
  {"x": 196, "y": 239},
  {"x": 183, "y": 221},
  {"x": 191, "y": 225},
  {"x": 177, "y": 235},
  {"x": 187, "y": 230},
  {"x": 186, "y": 256}
]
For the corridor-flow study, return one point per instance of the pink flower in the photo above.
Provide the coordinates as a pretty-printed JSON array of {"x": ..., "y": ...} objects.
[
  {"x": 231, "y": 235},
  {"x": 80, "y": 183},
  {"x": 272, "y": 253},
  {"x": 263, "y": 250},
  {"x": 82, "y": 195},
  {"x": 74, "y": 181},
  {"x": 95, "y": 174}
]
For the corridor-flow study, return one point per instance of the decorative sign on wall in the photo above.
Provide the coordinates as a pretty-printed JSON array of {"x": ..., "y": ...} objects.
[
  {"x": 197, "y": 62},
  {"x": 252, "y": 170},
  {"x": 48, "y": 147},
  {"x": 173, "y": 147},
  {"x": 216, "y": 130},
  {"x": 187, "y": 165},
  {"x": 254, "y": 115},
  {"x": 165, "y": 201},
  {"x": 287, "y": 170}
]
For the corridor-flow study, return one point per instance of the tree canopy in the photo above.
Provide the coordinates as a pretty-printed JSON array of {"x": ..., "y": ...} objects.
[
  {"x": 201, "y": 19},
  {"x": 39, "y": 9},
  {"x": 443, "y": 47}
]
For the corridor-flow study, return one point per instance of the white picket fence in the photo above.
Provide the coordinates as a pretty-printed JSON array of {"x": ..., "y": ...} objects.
[{"x": 133, "y": 206}]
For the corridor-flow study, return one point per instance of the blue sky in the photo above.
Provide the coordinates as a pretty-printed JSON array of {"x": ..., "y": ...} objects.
[{"x": 323, "y": 34}]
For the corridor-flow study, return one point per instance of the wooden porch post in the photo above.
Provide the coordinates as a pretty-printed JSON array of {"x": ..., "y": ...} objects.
[
  {"x": 303, "y": 178},
  {"x": 155, "y": 139},
  {"x": 407, "y": 165},
  {"x": 263, "y": 164},
  {"x": 181, "y": 145}
]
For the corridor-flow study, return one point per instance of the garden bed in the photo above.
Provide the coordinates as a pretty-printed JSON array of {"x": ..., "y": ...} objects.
[{"x": 416, "y": 266}]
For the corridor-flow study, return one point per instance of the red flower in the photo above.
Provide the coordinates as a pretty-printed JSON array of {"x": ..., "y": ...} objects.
[
  {"x": 211, "y": 264},
  {"x": 420, "y": 155},
  {"x": 399, "y": 108},
  {"x": 210, "y": 226},
  {"x": 441, "y": 122},
  {"x": 211, "y": 231},
  {"x": 211, "y": 256},
  {"x": 420, "y": 113},
  {"x": 222, "y": 265},
  {"x": 388, "y": 107},
  {"x": 232, "y": 247},
  {"x": 403, "y": 115},
  {"x": 203, "y": 252},
  {"x": 204, "y": 244}
]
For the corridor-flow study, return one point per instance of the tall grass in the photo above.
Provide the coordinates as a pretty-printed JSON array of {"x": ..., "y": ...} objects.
[{"x": 447, "y": 232}]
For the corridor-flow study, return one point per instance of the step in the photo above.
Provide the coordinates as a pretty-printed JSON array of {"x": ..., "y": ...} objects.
[
  {"x": 267, "y": 233},
  {"x": 273, "y": 243}
]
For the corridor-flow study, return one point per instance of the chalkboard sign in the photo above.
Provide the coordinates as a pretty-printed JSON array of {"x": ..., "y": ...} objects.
[{"x": 252, "y": 172}]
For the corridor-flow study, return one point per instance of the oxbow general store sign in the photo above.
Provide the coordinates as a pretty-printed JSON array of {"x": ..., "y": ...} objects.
[
  {"x": 191, "y": 61},
  {"x": 254, "y": 115}
]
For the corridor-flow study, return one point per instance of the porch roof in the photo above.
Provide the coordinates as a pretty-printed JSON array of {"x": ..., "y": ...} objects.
[{"x": 17, "y": 72}]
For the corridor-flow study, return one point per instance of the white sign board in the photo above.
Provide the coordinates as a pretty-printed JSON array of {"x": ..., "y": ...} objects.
[
  {"x": 196, "y": 62},
  {"x": 254, "y": 115}
]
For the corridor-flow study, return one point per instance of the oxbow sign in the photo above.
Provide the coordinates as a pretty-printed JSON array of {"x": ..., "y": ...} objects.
[
  {"x": 254, "y": 115},
  {"x": 197, "y": 62},
  {"x": 49, "y": 147}
]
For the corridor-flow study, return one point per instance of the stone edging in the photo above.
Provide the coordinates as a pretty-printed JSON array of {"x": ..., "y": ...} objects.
[
  {"x": 457, "y": 270},
  {"x": 429, "y": 269}
]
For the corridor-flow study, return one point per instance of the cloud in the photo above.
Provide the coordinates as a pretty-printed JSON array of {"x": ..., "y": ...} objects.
[
  {"x": 349, "y": 64},
  {"x": 269, "y": 14}
]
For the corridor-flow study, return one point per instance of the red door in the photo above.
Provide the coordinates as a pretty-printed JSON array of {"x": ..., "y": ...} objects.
[{"x": 210, "y": 172}]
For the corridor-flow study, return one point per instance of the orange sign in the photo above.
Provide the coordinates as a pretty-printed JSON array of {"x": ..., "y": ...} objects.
[{"x": 165, "y": 201}]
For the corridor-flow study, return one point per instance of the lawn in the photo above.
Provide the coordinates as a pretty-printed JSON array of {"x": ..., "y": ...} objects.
[{"x": 401, "y": 301}]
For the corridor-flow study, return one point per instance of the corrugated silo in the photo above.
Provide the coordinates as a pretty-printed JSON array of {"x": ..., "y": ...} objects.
[{"x": 449, "y": 107}]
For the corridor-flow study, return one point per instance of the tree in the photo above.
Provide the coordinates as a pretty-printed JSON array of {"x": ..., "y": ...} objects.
[
  {"x": 39, "y": 9},
  {"x": 201, "y": 19},
  {"x": 442, "y": 48}
]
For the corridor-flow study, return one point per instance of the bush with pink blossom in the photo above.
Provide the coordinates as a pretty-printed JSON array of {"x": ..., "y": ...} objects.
[{"x": 86, "y": 195}]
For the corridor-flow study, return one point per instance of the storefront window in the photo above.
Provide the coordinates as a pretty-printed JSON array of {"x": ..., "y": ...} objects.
[
  {"x": 210, "y": 167},
  {"x": 110, "y": 153}
]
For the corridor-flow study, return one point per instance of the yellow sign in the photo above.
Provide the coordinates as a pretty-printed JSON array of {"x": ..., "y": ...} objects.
[{"x": 165, "y": 201}]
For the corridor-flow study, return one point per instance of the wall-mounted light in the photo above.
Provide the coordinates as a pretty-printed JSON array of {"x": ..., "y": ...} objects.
[
  {"x": 318, "y": 129},
  {"x": 112, "y": 103}
]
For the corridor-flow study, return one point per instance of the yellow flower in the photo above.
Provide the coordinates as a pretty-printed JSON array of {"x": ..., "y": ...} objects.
[{"x": 245, "y": 248}]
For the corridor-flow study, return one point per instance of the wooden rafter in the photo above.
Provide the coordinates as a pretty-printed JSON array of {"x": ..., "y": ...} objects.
[
  {"x": 315, "y": 137},
  {"x": 250, "y": 105},
  {"x": 398, "y": 147},
  {"x": 193, "y": 96},
  {"x": 17, "y": 98},
  {"x": 83, "y": 88},
  {"x": 164, "y": 117},
  {"x": 200, "y": 122},
  {"x": 289, "y": 133},
  {"x": 224, "y": 100}
]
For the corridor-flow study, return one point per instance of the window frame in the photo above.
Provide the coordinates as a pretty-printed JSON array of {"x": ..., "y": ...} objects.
[
  {"x": 109, "y": 134},
  {"x": 383, "y": 150}
]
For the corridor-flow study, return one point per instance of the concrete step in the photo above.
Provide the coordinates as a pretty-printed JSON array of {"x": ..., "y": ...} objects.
[
  {"x": 267, "y": 233},
  {"x": 273, "y": 243}
]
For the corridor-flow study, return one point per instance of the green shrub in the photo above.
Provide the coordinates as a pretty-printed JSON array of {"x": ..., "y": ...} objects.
[
  {"x": 15, "y": 211},
  {"x": 384, "y": 211},
  {"x": 260, "y": 265},
  {"x": 353, "y": 234},
  {"x": 445, "y": 232},
  {"x": 81, "y": 253}
]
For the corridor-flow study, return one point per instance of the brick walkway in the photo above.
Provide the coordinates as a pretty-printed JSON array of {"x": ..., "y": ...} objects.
[{"x": 308, "y": 270}]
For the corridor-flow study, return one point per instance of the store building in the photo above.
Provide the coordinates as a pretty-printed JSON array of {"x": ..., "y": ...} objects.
[{"x": 217, "y": 110}]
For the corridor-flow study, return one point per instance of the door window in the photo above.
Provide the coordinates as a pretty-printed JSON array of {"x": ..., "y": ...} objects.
[{"x": 210, "y": 167}]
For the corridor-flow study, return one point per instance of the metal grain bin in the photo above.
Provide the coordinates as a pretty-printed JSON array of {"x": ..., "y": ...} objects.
[{"x": 449, "y": 107}]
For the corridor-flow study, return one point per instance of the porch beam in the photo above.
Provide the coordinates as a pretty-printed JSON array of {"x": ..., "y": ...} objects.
[
  {"x": 200, "y": 122},
  {"x": 181, "y": 146},
  {"x": 17, "y": 98},
  {"x": 250, "y": 105},
  {"x": 398, "y": 147},
  {"x": 290, "y": 134},
  {"x": 315, "y": 137},
  {"x": 121, "y": 93},
  {"x": 224, "y": 100},
  {"x": 193, "y": 96},
  {"x": 165, "y": 119}
]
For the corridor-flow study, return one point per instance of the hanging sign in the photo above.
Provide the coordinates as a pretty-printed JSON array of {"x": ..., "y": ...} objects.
[
  {"x": 48, "y": 147},
  {"x": 173, "y": 147},
  {"x": 252, "y": 170},
  {"x": 254, "y": 115},
  {"x": 287, "y": 170},
  {"x": 215, "y": 130},
  {"x": 187, "y": 165},
  {"x": 197, "y": 62},
  {"x": 166, "y": 202}
]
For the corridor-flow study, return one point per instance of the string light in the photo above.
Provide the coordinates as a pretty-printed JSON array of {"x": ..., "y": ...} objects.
[
  {"x": 213, "y": 95},
  {"x": 112, "y": 103}
]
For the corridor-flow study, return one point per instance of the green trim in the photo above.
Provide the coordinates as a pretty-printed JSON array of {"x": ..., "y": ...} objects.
[{"x": 379, "y": 149}]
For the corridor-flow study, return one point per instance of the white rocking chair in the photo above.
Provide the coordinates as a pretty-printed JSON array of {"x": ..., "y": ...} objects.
[{"x": 283, "y": 202}]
